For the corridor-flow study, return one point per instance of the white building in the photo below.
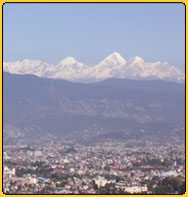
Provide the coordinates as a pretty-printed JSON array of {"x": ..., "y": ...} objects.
[
  {"x": 169, "y": 173},
  {"x": 101, "y": 181},
  {"x": 38, "y": 153},
  {"x": 9, "y": 172},
  {"x": 136, "y": 189},
  {"x": 29, "y": 153}
]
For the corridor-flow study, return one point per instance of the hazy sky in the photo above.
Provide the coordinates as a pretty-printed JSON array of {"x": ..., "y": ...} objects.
[{"x": 91, "y": 31}]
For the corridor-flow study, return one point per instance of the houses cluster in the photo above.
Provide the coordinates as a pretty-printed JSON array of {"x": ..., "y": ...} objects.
[{"x": 75, "y": 169}]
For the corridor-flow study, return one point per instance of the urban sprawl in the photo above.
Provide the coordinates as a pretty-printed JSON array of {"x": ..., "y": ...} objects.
[{"x": 104, "y": 168}]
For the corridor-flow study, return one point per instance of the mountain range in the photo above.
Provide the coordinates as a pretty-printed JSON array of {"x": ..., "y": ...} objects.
[
  {"x": 36, "y": 109},
  {"x": 113, "y": 66}
]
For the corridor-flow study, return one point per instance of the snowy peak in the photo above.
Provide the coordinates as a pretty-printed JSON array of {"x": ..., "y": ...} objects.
[
  {"x": 137, "y": 60},
  {"x": 35, "y": 67},
  {"x": 68, "y": 61},
  {"x": 113, "y": 66},
  {"x": 115, "y": 59}
]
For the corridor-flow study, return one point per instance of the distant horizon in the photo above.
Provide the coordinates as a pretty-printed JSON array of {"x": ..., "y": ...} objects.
[
  {"x": 90, "y": 32},
  {"x": 21, "y": 60},
  {"x": 114, "y": 65}
]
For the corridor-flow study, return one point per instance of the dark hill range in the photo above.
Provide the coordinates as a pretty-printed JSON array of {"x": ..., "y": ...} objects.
[{"x": 36, "y": 109}]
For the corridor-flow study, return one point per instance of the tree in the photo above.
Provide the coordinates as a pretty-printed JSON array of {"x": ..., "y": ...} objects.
[
  {"x": 173, "y": 182},
  {"x": 163, "y": 189},
  {"x": 182, "y": 188}
]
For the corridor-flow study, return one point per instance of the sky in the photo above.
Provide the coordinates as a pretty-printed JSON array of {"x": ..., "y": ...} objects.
[{"x": 91, "y": 31}]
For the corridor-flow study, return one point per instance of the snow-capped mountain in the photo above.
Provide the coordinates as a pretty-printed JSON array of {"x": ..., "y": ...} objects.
[
  {"x": 68, "y": 68},
  {"x": 113, "y": 66},
  {"x": 35, "y": 67}
]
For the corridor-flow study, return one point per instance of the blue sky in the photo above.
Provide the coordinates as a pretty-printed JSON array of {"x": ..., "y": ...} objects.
[{"x": 90, "y": 32}]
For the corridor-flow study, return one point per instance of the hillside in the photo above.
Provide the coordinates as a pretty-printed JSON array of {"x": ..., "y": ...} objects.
[{"x": 36, "y": 109}]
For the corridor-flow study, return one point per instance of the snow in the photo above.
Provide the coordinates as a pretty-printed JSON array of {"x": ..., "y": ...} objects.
[
  {"x": 113, "y": 60},
  {"x": 113, "y": 65},
  {"x": 68, "y": 61}
]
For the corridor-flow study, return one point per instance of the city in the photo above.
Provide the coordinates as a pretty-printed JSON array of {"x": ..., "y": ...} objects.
[
  {"x": 94, "y": 98},
  {"x": 105, "y": 168}
]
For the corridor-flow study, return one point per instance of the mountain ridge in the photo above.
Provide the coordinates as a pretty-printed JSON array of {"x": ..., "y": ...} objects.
[
  {"x": 35, "y": 107},
  {"x": 113, "y": 66}
]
